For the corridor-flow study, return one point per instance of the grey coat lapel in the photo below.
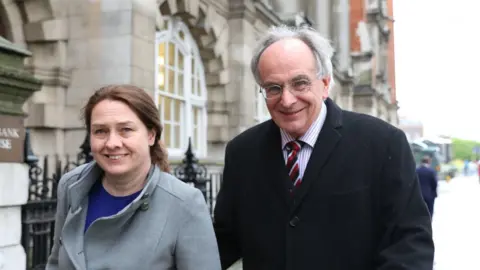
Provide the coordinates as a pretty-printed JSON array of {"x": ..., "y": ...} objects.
[
  {"x": 72, "y": 237},
  {"x": 77, "y": 197}
]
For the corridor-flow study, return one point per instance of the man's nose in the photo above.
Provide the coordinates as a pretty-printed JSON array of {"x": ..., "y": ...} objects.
[{"x": 287, "y": 98}]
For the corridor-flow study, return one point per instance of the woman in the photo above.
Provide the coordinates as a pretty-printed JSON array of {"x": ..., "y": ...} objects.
[{"x": 123, "y": 210}]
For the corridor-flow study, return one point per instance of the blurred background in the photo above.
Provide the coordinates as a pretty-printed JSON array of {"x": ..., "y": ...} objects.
[{"x": 410, "y": 63}]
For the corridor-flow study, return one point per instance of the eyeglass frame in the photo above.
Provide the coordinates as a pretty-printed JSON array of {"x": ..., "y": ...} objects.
[{"x": 307, "y": 83}]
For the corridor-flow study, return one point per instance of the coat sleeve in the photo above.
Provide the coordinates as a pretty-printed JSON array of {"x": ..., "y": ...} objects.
[
  {"x": 196, "y": 246},
  {"x": 60, "y": 215},
  {"x": 224, "y": 214},
  {"x": 434, "y": 183},
  {"x": 405, "y": 230}
]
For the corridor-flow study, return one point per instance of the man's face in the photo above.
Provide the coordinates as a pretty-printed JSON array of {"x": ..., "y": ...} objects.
[{"x": 290, "y": 65}]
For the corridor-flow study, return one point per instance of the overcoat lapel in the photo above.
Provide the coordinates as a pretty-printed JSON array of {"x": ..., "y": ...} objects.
[
  {"x": 275, "y": 168},
  {"x": 326, "y": 143}
]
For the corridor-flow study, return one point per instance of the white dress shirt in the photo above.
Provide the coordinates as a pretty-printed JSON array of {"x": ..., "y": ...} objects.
[{"x": 309, "y": 138}]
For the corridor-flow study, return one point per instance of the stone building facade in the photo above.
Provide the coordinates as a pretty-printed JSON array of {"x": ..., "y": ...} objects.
[
  {"x": 373, "y": 58},
  {"x": 192, "y": 56}
]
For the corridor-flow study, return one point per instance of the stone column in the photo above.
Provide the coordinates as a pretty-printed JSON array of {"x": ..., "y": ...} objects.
[
  {"x": 110, "y": 42},
  {"x": 320, "y": 12},
  {"x": 45, "y": 30},
  {"x": 287, "y": 9},
  {"x": 16, "y": 86},
  {"x": 341, "y": 32},
  {"x": 241, "y": 87}
]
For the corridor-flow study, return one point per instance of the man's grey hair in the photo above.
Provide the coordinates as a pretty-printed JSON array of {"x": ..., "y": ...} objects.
[{"x": 320, "y": 46}]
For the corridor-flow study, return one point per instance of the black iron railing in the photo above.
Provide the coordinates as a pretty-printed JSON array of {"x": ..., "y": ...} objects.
[{"x": 38, "y": 214}]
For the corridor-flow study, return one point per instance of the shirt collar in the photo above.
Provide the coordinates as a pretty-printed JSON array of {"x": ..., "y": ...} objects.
[{"x": 310, "y": 137}]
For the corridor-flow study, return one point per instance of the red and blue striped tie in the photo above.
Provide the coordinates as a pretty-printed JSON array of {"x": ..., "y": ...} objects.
[{"x": 293, "y": 165}]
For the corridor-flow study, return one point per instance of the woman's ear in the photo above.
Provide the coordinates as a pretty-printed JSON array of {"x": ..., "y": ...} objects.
[{"x": 151, "y": 137}]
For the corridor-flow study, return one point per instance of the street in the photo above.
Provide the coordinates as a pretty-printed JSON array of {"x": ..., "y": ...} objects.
[{"x": 456, "y": 224}]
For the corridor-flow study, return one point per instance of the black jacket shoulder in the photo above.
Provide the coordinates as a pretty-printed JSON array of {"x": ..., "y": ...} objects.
[{"x": 252, "y": 137}]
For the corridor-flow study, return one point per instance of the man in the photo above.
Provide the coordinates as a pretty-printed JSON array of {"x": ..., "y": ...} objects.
[
  {"x": 317, "y": 187},
  {"x": 428, "y": 183}
]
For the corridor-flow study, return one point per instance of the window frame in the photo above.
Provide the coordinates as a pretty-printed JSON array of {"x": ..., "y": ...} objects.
[
  {"x": 188, "y": 47},
  {"x": 261, "y": 110}
]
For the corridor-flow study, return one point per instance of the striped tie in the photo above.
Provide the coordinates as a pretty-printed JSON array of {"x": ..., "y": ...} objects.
[{"x": 293, "y": 166}]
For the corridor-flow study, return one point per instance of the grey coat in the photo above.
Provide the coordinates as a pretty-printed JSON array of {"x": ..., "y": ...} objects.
[{"x": 167, "y": 226}]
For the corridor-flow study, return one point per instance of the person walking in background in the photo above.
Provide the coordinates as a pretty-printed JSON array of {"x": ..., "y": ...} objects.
[
  {"x": 124, "y": 210},
  {"x": 428, "y": 183},
  {"x": 466, "y": 167}
]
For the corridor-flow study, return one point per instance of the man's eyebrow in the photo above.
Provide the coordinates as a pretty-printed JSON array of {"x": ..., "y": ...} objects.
[
  {"x": 268, "y": 83},
  {"x": 296, "y": 78},
  {"x": 300, "y": 77}
]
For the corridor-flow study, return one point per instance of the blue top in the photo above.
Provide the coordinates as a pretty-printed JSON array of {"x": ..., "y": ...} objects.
[{"x": 103, "y": 204}]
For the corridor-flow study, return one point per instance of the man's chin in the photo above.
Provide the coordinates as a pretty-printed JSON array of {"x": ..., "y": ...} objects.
[{"x": 293, "y": 128}]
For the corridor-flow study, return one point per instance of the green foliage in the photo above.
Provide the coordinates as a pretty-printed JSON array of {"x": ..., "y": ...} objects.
[{"x": 463, "y": 149}]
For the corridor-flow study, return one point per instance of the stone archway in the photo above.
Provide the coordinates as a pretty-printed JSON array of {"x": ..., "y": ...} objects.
[
  {"x": 41, "y": 27},
  {"x": 210, "y": 31},
  {"x": 11, "y": 22}
]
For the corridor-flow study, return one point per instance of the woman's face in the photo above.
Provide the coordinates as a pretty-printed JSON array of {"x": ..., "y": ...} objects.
[{"x": 119, "y": 140}]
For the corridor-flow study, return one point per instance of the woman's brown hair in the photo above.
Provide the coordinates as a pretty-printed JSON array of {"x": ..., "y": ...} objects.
[{"x": 142, "y": 105}]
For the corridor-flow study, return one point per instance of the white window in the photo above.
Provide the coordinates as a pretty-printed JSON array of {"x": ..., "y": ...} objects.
[
  {"x": 261, "y": 111},
  {"x": 181, "y": 93}
]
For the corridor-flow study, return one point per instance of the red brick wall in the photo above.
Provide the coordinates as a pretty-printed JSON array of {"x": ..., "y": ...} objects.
[
  {"x": 391, "y": 53},
  {"x": 357, "y": 14}
]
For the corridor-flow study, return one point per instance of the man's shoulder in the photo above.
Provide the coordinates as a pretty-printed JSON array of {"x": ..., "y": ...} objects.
[
  {"x": 251, "y": 135},
  {"x": 367, "y": 125}
]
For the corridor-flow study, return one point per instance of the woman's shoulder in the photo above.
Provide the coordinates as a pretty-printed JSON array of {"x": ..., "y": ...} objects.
[
  {"x": 175, "y": 187},
  {"x": 183, "y": 194},
  {"x": 73, "y": 175}
]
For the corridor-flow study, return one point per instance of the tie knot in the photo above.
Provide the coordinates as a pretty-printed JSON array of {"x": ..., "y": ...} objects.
[{"x": 294, "y": 145}]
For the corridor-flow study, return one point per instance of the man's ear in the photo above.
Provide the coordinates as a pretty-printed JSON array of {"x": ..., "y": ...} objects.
[{"x": 326, "y": 82}]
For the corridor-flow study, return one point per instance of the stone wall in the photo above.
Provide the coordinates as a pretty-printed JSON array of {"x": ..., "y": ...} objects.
[
  {"x": 79, "y": 45},
  {"x": 14, "y": 184}
]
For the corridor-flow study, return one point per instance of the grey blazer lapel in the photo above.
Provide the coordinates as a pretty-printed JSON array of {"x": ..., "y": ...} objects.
[
  {"x": 72, "y": 237},
  {"x": 77, "y": 198}
]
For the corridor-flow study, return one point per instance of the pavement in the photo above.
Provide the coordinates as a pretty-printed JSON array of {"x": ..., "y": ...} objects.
[{"x": 456, "y": 224}]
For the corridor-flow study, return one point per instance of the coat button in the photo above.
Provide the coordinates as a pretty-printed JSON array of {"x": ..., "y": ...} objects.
[
  {"x": 146, "y": 195},
  {"x": 144, "y": 206},
  {"x": 60, "y": 241},
  {"x": 294, "y": 221}
]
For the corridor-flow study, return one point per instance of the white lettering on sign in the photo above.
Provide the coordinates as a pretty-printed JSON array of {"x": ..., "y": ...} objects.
[
  {"x": 9, "y": 132},
  {"x": 6, "y": 144}
]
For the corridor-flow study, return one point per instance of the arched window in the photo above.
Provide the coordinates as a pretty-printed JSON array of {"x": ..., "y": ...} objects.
[{"x": 181, "y": 92}]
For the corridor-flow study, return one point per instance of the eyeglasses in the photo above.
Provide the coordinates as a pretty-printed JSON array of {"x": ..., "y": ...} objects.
[{"x": 274, "y": 91}]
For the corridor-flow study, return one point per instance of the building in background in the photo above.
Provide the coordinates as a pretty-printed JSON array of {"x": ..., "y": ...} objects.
[
  {"x": 373, "y": 57},
  {"x": 413, "y": 129},
  {"x": 192, "y": 57}
]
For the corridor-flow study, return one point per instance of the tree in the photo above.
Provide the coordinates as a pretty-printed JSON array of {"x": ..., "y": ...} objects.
[{"x": 463, "y": 149}]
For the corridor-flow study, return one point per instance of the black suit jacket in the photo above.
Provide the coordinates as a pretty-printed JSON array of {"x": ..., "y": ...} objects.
[
  {"x": 428, "y": 182},
  {"x": 359, "y": 206}
]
